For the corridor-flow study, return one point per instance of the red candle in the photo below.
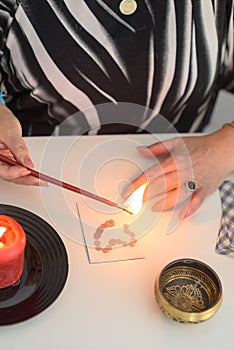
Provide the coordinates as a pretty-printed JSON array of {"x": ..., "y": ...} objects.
[{"x": 12, "y": 247}]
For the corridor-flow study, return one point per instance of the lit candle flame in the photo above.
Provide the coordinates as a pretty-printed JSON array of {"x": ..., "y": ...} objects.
[
  {"x": 2, "y": 231},
  {"x": 134, "y": 202}
]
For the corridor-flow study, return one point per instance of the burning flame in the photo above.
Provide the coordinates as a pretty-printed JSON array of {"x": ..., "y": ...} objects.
[
  {"x": 134, "y": 202},
  {"x": 2, "y": 231}
]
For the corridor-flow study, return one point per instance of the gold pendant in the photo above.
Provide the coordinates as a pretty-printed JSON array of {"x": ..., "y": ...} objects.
[{"x": 128, "y": 7}]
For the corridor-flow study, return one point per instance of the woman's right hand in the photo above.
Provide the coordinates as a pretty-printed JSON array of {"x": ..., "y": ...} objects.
[{"x": 13, "y": 146}]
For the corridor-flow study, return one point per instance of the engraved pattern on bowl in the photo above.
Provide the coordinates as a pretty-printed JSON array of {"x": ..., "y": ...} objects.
[{"x": 188, "y": 291}]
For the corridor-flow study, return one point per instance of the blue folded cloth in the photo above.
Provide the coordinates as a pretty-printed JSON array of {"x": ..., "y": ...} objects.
[{"x": 225, "y": 240}]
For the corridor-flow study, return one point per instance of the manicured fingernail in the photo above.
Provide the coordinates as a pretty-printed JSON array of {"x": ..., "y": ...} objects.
[
  {"x": 43, "y": 183},
  {"x": 143, "y": 149},
  {"x": 25, "y": 173},
  {"x": 40, "y": 183},
  {"x": 183, "y": 214},
  {"x": 28, "y": 162},
  {"x": 25, "y": 160}
]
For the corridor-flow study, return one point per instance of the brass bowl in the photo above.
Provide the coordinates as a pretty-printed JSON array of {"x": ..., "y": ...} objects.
[{"x": 188, "y": 291}]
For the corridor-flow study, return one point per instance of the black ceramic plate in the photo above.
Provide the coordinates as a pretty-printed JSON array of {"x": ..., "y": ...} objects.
[{"x": 45, "y": 269}]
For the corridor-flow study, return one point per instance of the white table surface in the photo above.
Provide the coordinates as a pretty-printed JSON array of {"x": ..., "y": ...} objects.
[{"x": 112, "y": 306}]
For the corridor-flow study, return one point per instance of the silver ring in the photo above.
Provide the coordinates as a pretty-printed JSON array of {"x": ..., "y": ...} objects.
[{"x": 191, "y": 185}]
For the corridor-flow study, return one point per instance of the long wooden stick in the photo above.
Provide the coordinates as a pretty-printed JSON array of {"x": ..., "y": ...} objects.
[{"x": 63, "y": 184}]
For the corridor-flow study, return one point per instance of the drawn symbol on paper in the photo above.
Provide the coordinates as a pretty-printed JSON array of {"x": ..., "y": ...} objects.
[{"x": 112, "y": 242}]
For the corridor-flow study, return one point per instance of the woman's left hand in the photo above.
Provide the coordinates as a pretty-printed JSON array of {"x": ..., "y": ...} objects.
[{"x": 207, "y": 160}]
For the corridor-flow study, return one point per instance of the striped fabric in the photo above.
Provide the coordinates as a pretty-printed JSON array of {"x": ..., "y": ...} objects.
[{"x": 61, "y": 57}]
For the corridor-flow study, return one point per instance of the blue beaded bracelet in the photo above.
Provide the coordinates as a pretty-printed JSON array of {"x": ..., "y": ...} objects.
[{"x": 2, "y": 99}]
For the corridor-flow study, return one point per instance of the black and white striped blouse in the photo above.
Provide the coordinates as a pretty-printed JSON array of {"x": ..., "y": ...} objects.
[{"x": 61, "y": 57}]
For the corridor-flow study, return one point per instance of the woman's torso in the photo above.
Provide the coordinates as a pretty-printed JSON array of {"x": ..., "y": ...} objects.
[{"x": 61, "y": 57}]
